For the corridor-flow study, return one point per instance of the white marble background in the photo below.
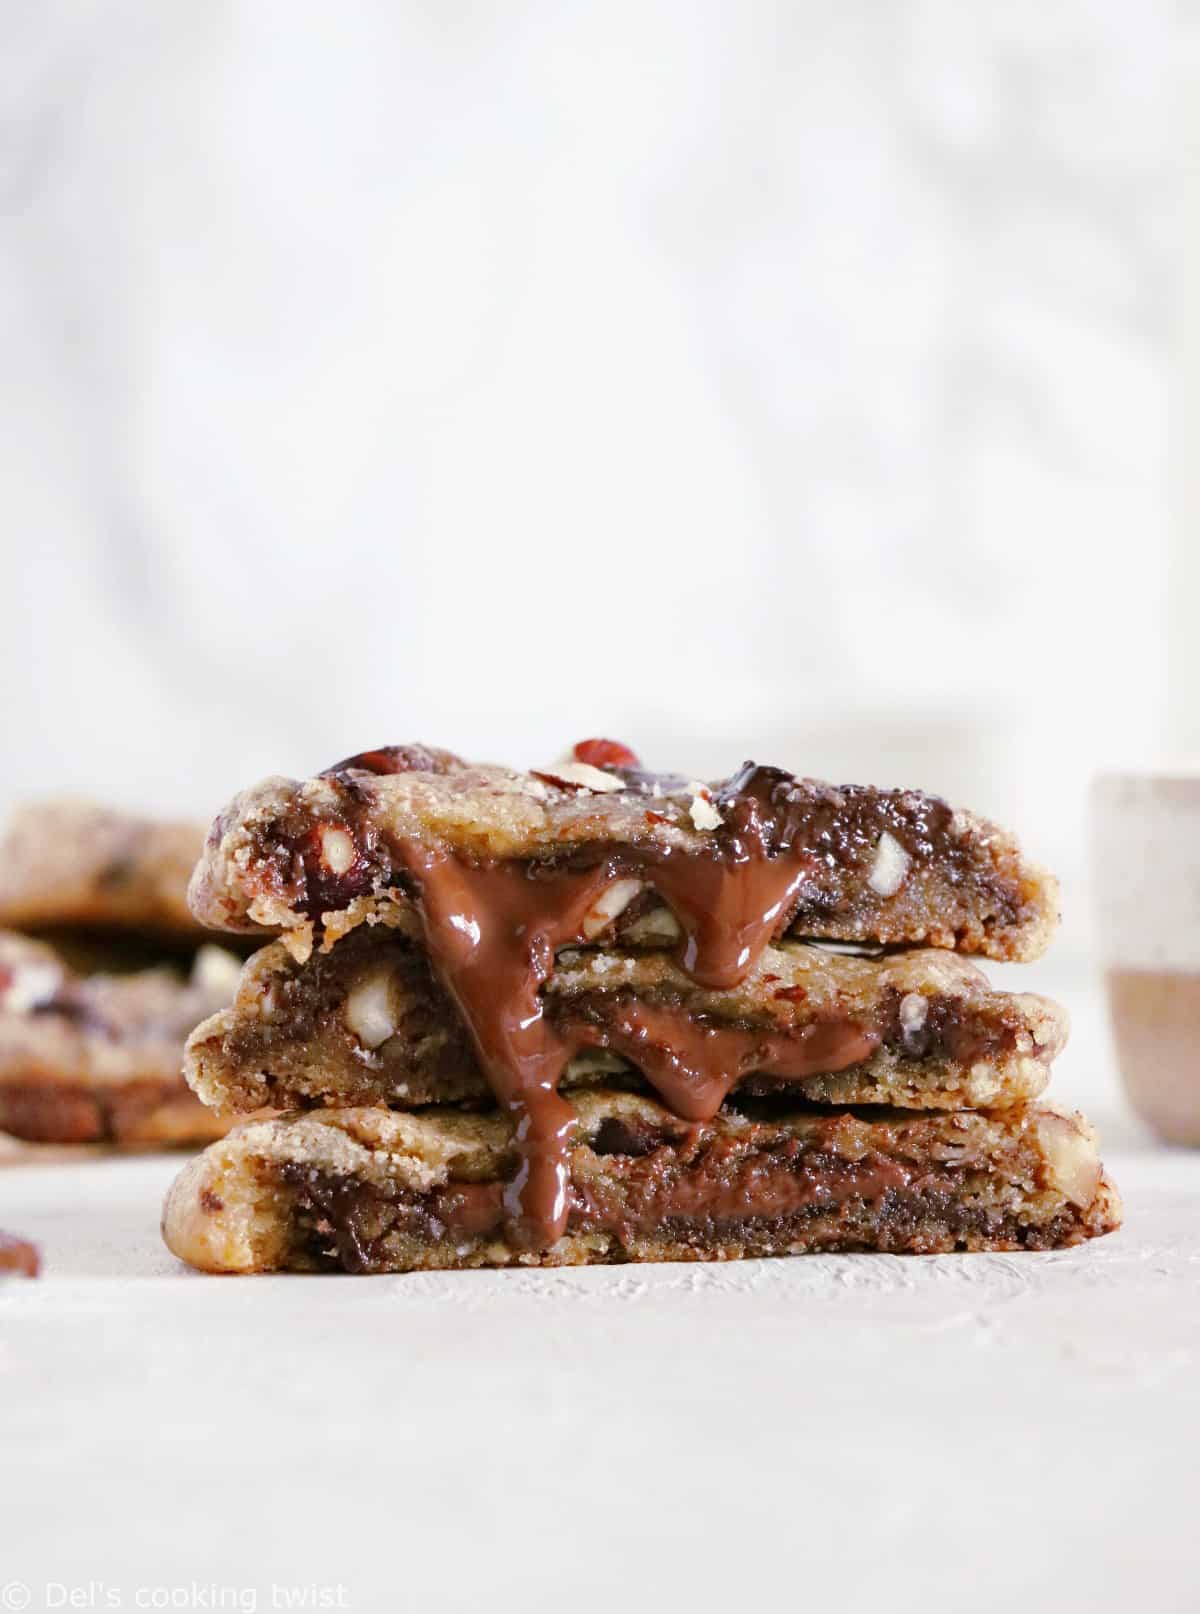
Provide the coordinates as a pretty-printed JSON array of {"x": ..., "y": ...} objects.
[{"x": 776, "y": 379}]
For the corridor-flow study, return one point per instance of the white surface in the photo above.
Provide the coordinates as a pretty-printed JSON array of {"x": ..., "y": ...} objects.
[{"x": 954, "y": 1433}]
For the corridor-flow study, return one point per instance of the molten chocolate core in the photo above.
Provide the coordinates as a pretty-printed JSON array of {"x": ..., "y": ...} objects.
[{"x": 493, "y": 929}]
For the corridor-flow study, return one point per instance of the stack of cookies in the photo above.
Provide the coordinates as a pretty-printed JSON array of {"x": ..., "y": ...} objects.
[
  {"x": 103, "y": 973},
  {"x": 595, "y": 1014}
]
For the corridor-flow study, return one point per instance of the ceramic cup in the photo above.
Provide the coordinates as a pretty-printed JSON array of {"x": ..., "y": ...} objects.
[{"x": 1145, "y": 835}]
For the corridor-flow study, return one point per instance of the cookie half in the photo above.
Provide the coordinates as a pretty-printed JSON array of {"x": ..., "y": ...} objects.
[
  {"x": 851, "y": 863},
  {"x": 366, "y": 1190},
  {"x": 367, "y": 1023}
]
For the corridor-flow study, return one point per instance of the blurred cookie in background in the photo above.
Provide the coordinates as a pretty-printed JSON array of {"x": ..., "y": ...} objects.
[
  {"x": 96, "y": 1058},
  {"x": 77, "y": 866},
  {"x": 103, "y": 973}
]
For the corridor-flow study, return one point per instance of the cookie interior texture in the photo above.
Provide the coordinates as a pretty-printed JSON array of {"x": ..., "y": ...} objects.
[
  {"x": 367, "y": 1023},
  {"x": 369, "y": 1190}
]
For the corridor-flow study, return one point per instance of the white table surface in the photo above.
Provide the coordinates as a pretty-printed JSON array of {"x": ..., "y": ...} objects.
[{"x": 990, "y": 1432}]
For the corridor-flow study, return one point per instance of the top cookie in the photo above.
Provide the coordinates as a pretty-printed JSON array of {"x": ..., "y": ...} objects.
[
  {"x": 72, "y": 863},
  {"x": 313, "y": 859}
]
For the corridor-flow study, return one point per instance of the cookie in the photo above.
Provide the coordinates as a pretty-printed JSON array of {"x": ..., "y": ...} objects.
[
  {"x": 76, "y": 864},
  {"x": 674, "y": 863},
  {"x": 367, "y": 1023},
  {"x": 495, "y": 873},
  {"x": 368, "y": 1190}
]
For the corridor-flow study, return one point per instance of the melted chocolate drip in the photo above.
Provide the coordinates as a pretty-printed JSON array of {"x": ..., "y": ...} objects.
[
  {"x": 693, "y": 1065},
  {"x": 492, "y": 933},
  {"x": 492, "y": 930}
]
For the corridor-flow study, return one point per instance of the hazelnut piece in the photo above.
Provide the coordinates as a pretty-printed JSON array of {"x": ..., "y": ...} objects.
[
  {"x": 337, "y": 848},
  {"x": 890, "y": 868},
  {"x": 370, "y": 1012},
  {"x": 611, "y": 902}
]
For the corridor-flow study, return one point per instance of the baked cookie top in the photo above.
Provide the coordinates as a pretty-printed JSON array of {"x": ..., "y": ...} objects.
[
  {"x": 853, "y": 863},
  {"x": 75, "y": 863}
]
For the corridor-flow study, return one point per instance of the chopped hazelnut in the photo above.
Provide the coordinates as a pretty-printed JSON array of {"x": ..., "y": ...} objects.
[
  {"x": 1071, "y": 1158},
  {"x": 605, "y": 754},
  {"x": 369, "y": 1011},
  {"x": 337, "y": 849},
  {"x": 657, "y": 928},
  {"x": 611, "y": 902},
  {"x": 215, "y": 972},
  {"x": 587, "y": 777},
  {"x": 914, "y": 1011},
  {"x": 704, "y": 814},
  {"x": 890, "y": 868}
]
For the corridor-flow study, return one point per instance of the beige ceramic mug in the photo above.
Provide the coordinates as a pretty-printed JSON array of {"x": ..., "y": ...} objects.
[{"x": 1146, "y": 883}]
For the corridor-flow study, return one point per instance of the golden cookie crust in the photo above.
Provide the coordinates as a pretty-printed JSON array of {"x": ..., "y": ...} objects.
[{"x": 965, "y": 883}]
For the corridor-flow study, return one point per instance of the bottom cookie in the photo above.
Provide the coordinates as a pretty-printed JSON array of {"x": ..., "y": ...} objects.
[{"x": 372, "y": 1190}]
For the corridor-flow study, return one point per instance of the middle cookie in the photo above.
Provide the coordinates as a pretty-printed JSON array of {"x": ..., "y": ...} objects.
[{"x": 366, "y": 1023}]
